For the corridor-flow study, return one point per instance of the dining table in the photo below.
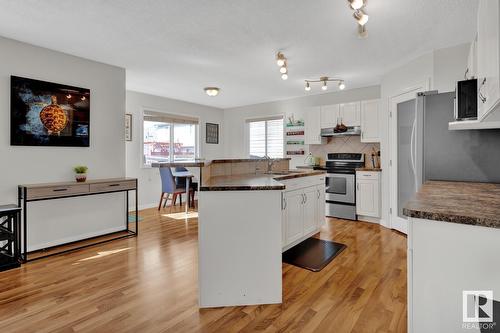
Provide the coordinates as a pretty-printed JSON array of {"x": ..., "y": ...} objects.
[{"x": 188, "y": 176}]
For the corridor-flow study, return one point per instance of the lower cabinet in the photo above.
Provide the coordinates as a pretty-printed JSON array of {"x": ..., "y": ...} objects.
[
  {"x": 303, "y": 212},
  {"x": 368, "y": 193}
]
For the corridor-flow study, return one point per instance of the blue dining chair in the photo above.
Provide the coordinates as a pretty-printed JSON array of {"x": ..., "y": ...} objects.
[
  {"x": 181, "y": 182},
  {"x": 168, "y": 186}
]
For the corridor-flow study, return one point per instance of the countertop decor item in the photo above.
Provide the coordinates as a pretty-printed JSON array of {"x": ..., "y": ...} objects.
[
  {"x": 80, "y": 173},
  {"x": 48, "y": 114}
]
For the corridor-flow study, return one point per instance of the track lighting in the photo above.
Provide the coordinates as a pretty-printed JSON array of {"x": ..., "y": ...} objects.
[
  {"x": 324, "y": 83},
  {"x": 212, "y": 91},
  {"x": 280, "y": 59},
  {"x": 361, "y": 17},
  {"x": 283, "y": 63},
  {"x": 356, "y": 4}
]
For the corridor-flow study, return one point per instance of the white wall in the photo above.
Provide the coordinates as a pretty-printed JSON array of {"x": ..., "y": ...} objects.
[
  {"x": 105, "y": 157},
  {"x": 439, "y": 69},
  {"x": 234, "y": 119},
  {"x": 149, "y": 178}
]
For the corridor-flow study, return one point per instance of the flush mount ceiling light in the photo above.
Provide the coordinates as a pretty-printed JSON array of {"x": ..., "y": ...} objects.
[
  {"x": 212, "y": 91},
  {"x": 324, "y": 83},
  {"x": 360, "y": 16},
  {"x": 282, "y": 62}
]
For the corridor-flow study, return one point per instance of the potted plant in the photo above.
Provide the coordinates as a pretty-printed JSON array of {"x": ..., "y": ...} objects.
[{"x": 80, "y": 173}]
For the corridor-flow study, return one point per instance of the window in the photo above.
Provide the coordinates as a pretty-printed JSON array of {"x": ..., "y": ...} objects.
[
  {"x": 168, "y": 138},
  {"x": 266, "y": 137}
]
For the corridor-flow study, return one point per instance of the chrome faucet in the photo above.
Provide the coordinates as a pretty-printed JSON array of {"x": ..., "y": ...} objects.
[{"x": 270, "y": 163}]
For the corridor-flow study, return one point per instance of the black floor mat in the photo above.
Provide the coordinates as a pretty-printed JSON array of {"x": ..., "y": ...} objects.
[{"x": 312, "y": 254}]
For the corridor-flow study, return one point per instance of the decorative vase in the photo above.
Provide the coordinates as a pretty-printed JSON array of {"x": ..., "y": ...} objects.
[
  {"x": 53, "y": 117},
  {"x": 81, "y": 177}
]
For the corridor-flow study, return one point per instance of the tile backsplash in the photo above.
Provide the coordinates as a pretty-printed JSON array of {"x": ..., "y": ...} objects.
[{"x": 345, "y": 144}]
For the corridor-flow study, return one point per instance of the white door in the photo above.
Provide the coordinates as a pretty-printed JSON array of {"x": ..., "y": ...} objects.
[
  {"x": 294, "y": 211},
  {"x": 351, "y": 114},
  {"x": 370, "y": 127},
  {"x": 310, "y": 209},
  {"x": 402, "y": 139},
  {"x": 329, "y": 115},
  {"x": 312, "y": 126}
]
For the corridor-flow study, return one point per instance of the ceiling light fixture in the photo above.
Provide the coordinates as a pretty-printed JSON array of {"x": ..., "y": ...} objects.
[
  {"x": 212, "y": 91},
  {"x": 282, "y": 61},
  {"x": 324, "y": 83},
  {"x": 360, "y": 16},
  {"x": 356, "y": 4}
]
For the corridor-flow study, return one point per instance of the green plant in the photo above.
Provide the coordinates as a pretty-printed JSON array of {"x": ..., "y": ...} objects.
[{"x": 80, "y": 169}]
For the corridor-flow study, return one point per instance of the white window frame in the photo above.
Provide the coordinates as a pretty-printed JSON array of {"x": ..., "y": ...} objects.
[
  {"x": 197, "y": 147},
  {"x": 263, "y": 118}
]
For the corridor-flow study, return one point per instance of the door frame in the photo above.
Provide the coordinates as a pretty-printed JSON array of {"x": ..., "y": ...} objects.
[{"x": 395, "y": 221}]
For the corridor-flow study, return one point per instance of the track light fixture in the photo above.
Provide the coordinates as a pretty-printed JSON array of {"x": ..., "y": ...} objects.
[
  {"x": 324, "y": 83},
  {"x": 359, "y": 15},
  {"x": 282, "y": 62}
]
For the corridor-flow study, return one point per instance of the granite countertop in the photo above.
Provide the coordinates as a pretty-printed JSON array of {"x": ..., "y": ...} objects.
[
  {"x": 369, "y": 169},
  {"x": 457, "y": 202},
  {"x": 235, "y": 160},
  {"x": 253, "y": 182},
  {"x": 201, "y": 163},
  {"x": 191, "y": 163}
]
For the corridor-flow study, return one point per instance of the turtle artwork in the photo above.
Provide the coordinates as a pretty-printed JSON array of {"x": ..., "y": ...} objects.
[
  {"x": 49, "y": 114},
  {"x": 53, "y": 117}
]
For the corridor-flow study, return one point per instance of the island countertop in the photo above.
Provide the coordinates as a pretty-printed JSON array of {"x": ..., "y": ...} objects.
[
  {"x": 254, "y": 182},
  {"x": 457, "y": 202}
]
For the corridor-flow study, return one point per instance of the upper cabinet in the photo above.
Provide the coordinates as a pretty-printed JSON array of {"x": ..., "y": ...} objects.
[
  {"x": 370, "y": 121},
  {"x": 487, "y": 56},
  {"x": 329, "y": 115},
  {"x": 349, "y": 114},
  {"x": 312, "y": 126}
]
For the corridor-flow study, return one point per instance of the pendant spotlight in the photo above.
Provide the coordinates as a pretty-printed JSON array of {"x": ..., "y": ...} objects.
[
  {"x": 359, "y": 15},
  {"x": 324, "y": 83},
  {"x": 282, "y": 62}
]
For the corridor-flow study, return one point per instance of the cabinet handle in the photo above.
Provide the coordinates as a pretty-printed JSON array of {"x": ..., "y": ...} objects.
[
  {"x": 357, "y": 186},
  {"x": 284, "y": 203},
  {"x": 111, "y": 185},
  {"x": 59, "y": 189},
  {"x": 319, "y": 194},
  {"x": 305, "y": 198}
]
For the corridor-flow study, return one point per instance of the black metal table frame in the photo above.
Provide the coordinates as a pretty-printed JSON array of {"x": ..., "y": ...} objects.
[{"x": 21, "y": 192}]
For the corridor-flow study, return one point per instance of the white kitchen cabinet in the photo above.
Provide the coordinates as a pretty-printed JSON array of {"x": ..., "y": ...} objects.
[
  {"x": 370, "y": 121},
  {"x": 329, "y": 115},
  {"x": 303, "y": 209},
  {"x": 310, "y": 206},
  {"x": 487, "y": 56},
  {"x": 312, "y": 135},
  {"x": 350, "y": 113},
  {"x": 368, "y": 193}
]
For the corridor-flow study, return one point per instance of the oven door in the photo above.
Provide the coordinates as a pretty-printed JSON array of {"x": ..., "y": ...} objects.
[{"x": 340, "y": 188}]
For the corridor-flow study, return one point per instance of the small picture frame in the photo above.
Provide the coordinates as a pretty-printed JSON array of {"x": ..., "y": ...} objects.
[
  {"x": 128, "y": 127},
  {"x": 212, "y": 133}
]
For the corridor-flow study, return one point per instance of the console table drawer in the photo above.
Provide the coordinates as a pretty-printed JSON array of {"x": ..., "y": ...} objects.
[
  {"x": 56, "y": 191},
  {"x": 113, "y": 186}
]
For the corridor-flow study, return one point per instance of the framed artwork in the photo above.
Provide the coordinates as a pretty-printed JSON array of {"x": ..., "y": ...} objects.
[
  {"x": 128, "y": 127},
  {"x": 48, "y": 114},
  {"x": 212, "y": 133}
]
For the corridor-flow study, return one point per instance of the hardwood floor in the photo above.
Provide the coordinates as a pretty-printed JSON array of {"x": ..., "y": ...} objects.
[{"x": 149, "y": 284}]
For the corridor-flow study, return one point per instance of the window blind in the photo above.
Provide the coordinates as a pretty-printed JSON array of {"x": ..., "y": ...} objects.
[
  {"x": 266, "y": 137},
  {"x": 169, "y": 118}
]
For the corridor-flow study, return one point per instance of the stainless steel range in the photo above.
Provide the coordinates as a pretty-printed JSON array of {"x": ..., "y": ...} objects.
[{"x": 341, "y": 184}]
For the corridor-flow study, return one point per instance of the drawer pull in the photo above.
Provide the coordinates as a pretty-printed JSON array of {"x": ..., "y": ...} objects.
[
  {"x": 111, "y": 185},
  {"x": 59, "y": 189}
]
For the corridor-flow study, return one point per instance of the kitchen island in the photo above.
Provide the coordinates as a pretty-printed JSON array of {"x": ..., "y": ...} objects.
[
  {"x": 453, "y": 246},
  {"x": 245, "y": 222}
]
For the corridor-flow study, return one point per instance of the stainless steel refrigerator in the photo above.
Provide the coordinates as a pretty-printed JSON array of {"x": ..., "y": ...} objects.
[{"x": 428, "y": 150}]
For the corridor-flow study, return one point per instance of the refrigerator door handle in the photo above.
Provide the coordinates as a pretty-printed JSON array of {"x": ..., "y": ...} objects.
[{"x": 412, "y": 143}]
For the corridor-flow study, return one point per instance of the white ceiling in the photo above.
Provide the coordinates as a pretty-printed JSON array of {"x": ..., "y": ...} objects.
[{"x": 174, "y": 48}]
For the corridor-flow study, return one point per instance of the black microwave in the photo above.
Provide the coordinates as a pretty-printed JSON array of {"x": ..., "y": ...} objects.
[{"x": 466, "y": 100}]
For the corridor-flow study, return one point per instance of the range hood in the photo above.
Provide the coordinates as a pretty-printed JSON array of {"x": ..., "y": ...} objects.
[{"x": 351, "y": 130}]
